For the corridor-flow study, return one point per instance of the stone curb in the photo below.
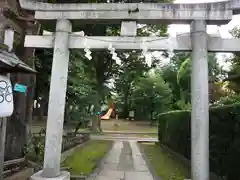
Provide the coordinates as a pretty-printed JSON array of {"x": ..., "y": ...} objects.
[{"x": 151, "y": 169}]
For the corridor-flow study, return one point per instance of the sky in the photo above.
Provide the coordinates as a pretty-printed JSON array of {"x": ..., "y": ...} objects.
[
  {"x": 211, "y": 29},
  {"x": 224, "y": 29}
]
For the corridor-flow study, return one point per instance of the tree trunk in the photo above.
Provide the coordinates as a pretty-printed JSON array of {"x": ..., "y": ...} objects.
[
  {"x": 95, "y": 128},
  {"x": 126, "y": 105},
  {"x": 96, "y": 122},
  {"x": 30, "y": 105}
]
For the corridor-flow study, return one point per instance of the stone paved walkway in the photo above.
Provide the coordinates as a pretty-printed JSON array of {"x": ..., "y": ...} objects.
[
  {"x": 124, "y": 162},
  {"x": 122, "y": 137}
]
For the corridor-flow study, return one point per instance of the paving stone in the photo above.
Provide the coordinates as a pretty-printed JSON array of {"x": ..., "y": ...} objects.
[
  {"x": 139, "y": 160},
  {"x": 138, "y": 176},
  {"x": 124, "y": 162},
  {"x": 105, "y": 178},
  {"x": 110, "y": 166},
  {"x": 112, "y": 160},
  {"x": 112, "y": 174},
  {"x": 126, "y": 159},
  {"x": 141, "y": 167},
  {"x": 135, "y": 149},
  {"x": 114, "y": 155}
]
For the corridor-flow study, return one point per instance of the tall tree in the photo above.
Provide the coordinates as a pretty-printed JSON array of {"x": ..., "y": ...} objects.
[
  {"x": 150, "y": 96},
  {"x": 132, "y": 69},
  {"x": 234, "y": 73},
  {"x": 184, "y": 76},
  {"x": 134, "y": 66},
  {"x": 170, "y": 73}
]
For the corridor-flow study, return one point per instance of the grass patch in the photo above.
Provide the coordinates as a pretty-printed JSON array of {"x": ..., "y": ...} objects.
[
  {"x": 131, "y": 128},
  {"x": 165, "y": 165},
  {"x": 84, "y": 159}
]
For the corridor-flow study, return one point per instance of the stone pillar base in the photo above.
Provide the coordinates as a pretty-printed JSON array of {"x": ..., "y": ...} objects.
[{"x": 63, "y": 176}]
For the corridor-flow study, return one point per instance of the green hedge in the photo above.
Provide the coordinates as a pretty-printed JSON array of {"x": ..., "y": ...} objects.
[{"x": 174, "y": 132}]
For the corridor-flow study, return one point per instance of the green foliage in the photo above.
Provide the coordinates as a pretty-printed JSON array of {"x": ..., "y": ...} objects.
[
  {"x": 177, "y": 75},
  {"x": 228, "y": 100},
  {"x": 80, "y": 92},
  {"x": 184, "y": 75},
  {"x": 174, "y": 131},
  {"x": 184, "y": 79},
  {"x": 184, "y": 70},
  {"x": 234, "y": 73},
  {"x": 34, "y": 149},
  {"x": 43, "y": 65},
  {"x": 132, "y": 69},
  {"x": 150, "y": 96},
  {"x": 181, "y": 104}
]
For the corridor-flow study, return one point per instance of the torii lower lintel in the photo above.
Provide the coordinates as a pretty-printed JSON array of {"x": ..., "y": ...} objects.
[{"x": 179, "y": 43}]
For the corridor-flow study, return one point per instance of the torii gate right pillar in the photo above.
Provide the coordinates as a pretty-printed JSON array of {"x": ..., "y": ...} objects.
[{"x": 200, "y": 102}]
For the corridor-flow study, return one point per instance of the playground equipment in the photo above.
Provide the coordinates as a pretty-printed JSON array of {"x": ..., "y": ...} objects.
[
  {"x": 107, "y": 115},
  {"x": 111, "y": 110}
]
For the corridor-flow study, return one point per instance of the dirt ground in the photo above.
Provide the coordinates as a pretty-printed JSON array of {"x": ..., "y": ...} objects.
[{"x": 125, "y": 125}]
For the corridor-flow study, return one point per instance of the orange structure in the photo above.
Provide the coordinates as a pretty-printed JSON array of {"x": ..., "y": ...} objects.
[{"x": 110, "y": 113}]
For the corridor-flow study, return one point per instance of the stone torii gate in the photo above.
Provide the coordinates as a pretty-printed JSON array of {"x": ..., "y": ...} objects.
[{"x": 198, "y": 41}]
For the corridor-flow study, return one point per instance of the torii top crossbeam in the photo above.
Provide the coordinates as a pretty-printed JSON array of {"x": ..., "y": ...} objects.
[{"x": 146, "y": 13}]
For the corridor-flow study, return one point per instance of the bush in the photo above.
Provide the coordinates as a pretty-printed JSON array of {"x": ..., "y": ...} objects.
[
  {"x": 228, "y": 100},
  {"x": 174, "y": 132}
]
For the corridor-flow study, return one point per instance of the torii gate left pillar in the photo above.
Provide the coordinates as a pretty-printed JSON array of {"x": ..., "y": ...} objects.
[{"x": 56, "y": 107}]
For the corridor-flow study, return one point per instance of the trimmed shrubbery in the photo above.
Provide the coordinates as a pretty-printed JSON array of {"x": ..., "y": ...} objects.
[{"x": 174, "y": 132}]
